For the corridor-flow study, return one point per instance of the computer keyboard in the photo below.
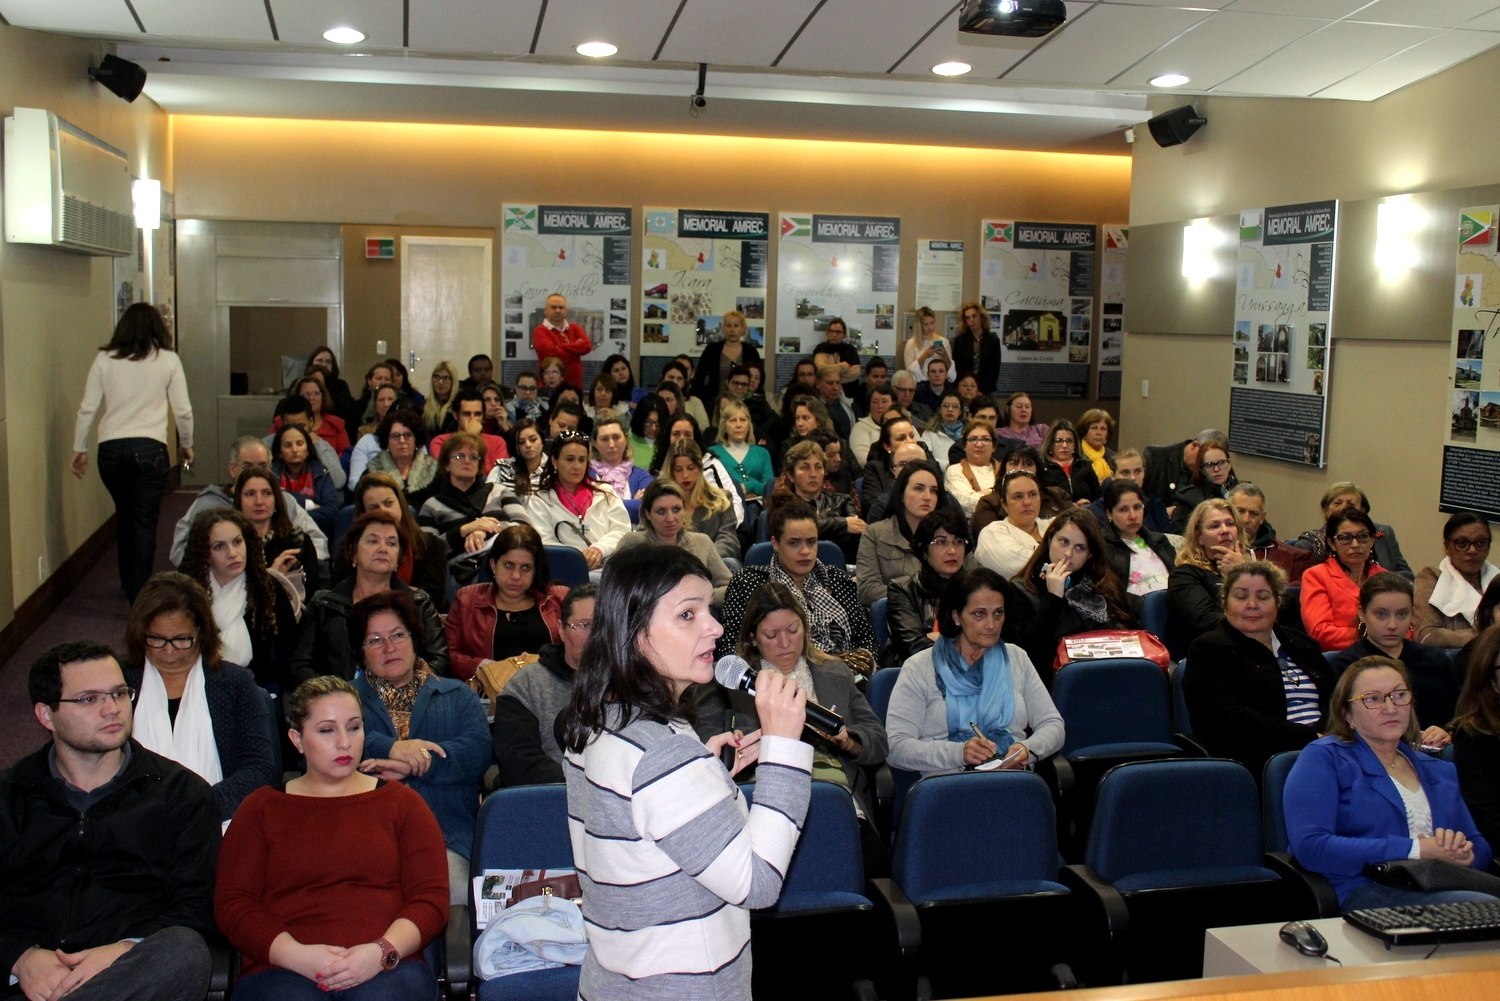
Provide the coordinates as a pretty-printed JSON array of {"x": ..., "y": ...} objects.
[{"x": 1430, "y": 924}]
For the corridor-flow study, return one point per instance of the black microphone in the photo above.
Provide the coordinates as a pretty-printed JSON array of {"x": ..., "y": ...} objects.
[{"x": 736, "y": 672}]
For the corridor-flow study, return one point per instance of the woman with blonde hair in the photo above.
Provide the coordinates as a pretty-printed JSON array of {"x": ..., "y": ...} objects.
[
  {"x": 440, "y": 401},
  {"x": 734, "y": 348},
  {"x": 1212, "y": 544},
  {"x": 924, "y": 344},
  {"x": 708, "y": 508},
  {"x": 978, "y": 471},
  {"x": 748, "y": 464}
]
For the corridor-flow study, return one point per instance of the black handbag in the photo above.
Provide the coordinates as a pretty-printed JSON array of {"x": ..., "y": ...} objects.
[{"x": 1430, "y": 875}]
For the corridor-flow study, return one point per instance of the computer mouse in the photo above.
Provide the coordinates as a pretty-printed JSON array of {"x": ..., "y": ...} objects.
[{"x": 1303, "y": 937}]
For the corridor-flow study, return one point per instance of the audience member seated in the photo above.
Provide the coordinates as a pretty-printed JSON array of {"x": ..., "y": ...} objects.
[
  {"x": 685, "y": 427},
  {"x": 1071, "y": 588},
  {"x": 496, "y": 419},
  {"x": 1254, "y": 688},
  {"x": 1488, "y": 614},
  {"x": 1139, "y": 557},
  {"x": 438, "y": 409},
  {"x": 378, "y": 374},
  {"x": 1476, "y": 734},
  {"x": 468, "y": 415},
  {"x": 1448, "y": 594},
  {"x": 1094, "y": 428},
  {"x": 885, "y": 549},
  {"x": 1330, "y": 590},
  {"x": 1249, "y": 503},
  {"x": 879, "y": 473},
  {"x": 838, "y": 470},
  {"x": 1385, "y": 616},
  {"x": 987, "y": 409},
  {"x": 525, "y": 743},
  {"x": 976, "y": 474},
  {"x": 400, "y": 378},
  {"x": 803, "y": 479},
  {"x": 665, "y": 522},
  {"x": 571, "y": 509},
  {"x": 565, "y": 415},
  {"x": 1212, "y": 476},
  {"x": 522, "y": 475},
  {"x": 402, "y": 456},
  {"x": 946, "y": 429},
  {"x": 838, "y": 622},
  {"x": 245, "y": 452},
  {"x": 1211, "y": 547},
  {"x": 303, "y": 477},
  {"x": 907, "y": 455},
  {"x": 1017, "y": 424},
  {"x": 313, "y": 913},
  {"x": 930, "y": 390},
  {"x": 256, "y": 613},
  {"x": 341, "y": 401},
  {"x": 325, "y": 646},
  {"x": 866, "y": 431},
  {"x": 289, "y": 553},
  {"x": 613, "y": 464},
  {"x": 991, "y": 507},
  {"x": 526, "y": 405},
  {"x": 774, "y": 635},
  {"x": 747, "y": 463},
  {"x": 506, "y": 621},
  {"x": 1005, "y": 546},
  {"x": 481, "y": 370},
  {"x": 193, "y": 706},
  {"x": 809, "y": 416},
  {"x": 676, "y": 372},
  {"x": 1343, "y": 495},
  {"x": 427, "y": 731},
  {"x": 904, "y": 385},
  {"x": 296, "y": 411},
  {"x": 368, "y": 446},
  {"x": 424, "y": 555},
  {"x": 467, "y": 511},
  {"x": 709, "y": 509},
  {"x": 1365, "y": 794},
  {"x": 107, "y": 877},
  {"x": 328, "y": 426},
  {"x": 1170, "y": 467},
  {"x": 647, "y": 423},
  {"x": 942, "y": 543},
  {"x": 971, "y": 697},
  {"x": 1130, "y": 466},
  {"x": 1062, "y": 470}
]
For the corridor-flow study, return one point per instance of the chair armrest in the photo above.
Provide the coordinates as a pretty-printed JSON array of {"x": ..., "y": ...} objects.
[
  {"x": 908, "y": 927},
  {"x": 1313, "y": 887},
  {"x": 1100, "y": 905},
  {"x": 1085, "y": 881},
  {"x": 1190, "y": 745},
  {"x": 224, "y": 966},
  {"x": 458, "y": 953},
  {"x": 1063, "y": 769}
]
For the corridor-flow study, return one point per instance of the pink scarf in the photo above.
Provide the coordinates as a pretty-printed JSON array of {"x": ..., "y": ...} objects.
[{"x": 577, "y": 499}]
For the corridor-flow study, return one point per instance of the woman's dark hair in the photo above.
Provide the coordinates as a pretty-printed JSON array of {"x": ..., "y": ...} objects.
[
  {"x": 628, "y": 388},
  {"x": 885, "y": 429},
  {"x": 650, "y": 404},
  {"x": 960, "y": 589},
  {"x": 299, "y": 703},
  {"x": 1028, "y": 453},
  {"x": 557, "y": 393},
  {"x": 282, "y": 432},
  {"x": 394, "y": 364},
  {"x": 164, "y": 594},
  {"x": 333, "y": 373},
  {"x": 613, "y": 673},
  {"x": 898, "y": 493},
  {"x": 658, "y": 488},
  {"x": 1116, "y": 489},
  {"x": 1003, "y": 488},
  {"x": 583, "y": 592},
  {"x": 1463, "y": 519},
  {"x": 1484, "y": 615},
  {"x": 141, "y": 330},
  {"x": 523, "y": 475},
  {"x": 936, "y": 423},
  {"x": 554, "y": 449},
  {"x": 407, "y": 417},
  {"x": 519, "y": 535},
  {"x": 1354, "y": 514},
  {"x": 325, "y": 403},
  {"x": 260, "y": 587},
  {"x": 664, "y": 439},
  {"x": 791, "y": 509},
  {"x": 791, "y": 396},
  {"x": 281, "y": 524},
  {"x": 357, "y": 529},
  {"x": 608, "y": 382},
  {"x": 370, "y": 372},
  {"x": 942, "y": 519},
  {"x": 1478, "y": 709},
  {"x": 399, "y": 604},
  {"x": 1051, "y": 439},
  {"x": 1384, "y": 583},
  {"x": 1096, "y": 567},
  {"x": 412, "y": 536}
]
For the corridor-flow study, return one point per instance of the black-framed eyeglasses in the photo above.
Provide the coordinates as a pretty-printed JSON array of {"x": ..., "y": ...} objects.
[
  {"x": 89, "y": 699},
  {"x": 176, "y": 642},
  {"x": 1216, "y": 465},
  {"x": 979, "y": 439},
  {"x": 1470, "y": 545},
  {"x": 1353, "y": 538},
  {"x": 1374, "y": 700}
]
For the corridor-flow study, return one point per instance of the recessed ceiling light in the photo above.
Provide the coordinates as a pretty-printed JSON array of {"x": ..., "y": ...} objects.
[
  {"x": 954, "y": 68},
  {"x": 1169, "y": 80},
  {"x": 344, "y": 35},
  {"x": 596, "y": 50}
]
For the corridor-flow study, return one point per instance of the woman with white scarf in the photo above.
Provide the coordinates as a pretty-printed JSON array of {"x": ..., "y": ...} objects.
[
  {"x": 1448, "y": 594},
  {"x": 254, "y": 607},
  {"x": 194, "y": 707}
]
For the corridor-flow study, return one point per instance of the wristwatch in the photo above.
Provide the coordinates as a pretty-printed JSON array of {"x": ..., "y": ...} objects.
[{"x": 389, "y": 954}]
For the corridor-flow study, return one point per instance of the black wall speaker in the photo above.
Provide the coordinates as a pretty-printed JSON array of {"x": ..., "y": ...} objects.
[
  {"x": 120, "y": 77},
  {"x": 1175, "y": 127}
]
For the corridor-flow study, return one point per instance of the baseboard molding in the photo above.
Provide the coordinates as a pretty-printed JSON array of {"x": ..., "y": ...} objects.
[{"x": 32, "y": 612}]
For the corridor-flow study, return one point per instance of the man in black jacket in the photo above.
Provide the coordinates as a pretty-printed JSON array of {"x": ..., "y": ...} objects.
[
  {"x": 1170, "y": 467},
  {"x": 107, "y": 875}
]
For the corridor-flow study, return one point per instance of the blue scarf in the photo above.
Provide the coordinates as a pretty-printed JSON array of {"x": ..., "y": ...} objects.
[
  {"x": 982, "y": 692},
  {"x": 954, "y": 431}
]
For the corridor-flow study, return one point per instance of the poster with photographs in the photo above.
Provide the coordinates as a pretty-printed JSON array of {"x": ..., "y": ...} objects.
[
  {"x": 1112, "y": 310},
  {"x": 1281, "y": 345},
  {"x": 582, "y": 251},
  {"x": 1036, "y": 280},
  {"x": 697, "y": 265},
  {"x": 835, "y": 266},
  {"x": 1471, "y": 437}
]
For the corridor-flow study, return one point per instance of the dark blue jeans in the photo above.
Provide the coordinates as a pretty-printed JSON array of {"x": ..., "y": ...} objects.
[
  {"x": 134, "y": 471},
  {"x": 411, "y": 981}
]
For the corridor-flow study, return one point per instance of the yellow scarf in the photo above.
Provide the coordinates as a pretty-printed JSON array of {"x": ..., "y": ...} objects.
[{"x": 1096, "y": 458}]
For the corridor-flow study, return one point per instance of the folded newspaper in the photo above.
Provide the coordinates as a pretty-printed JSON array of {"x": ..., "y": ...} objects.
[{"x": 492, "y": 889}]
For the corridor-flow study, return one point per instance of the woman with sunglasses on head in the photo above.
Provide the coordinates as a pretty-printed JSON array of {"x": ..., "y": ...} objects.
[
  {"x": 1365, "y": 794},
  {"x": 1330, "y": 590},
  {"x": 571, "y": 508},
  {"x": 1448, "y": 595}
]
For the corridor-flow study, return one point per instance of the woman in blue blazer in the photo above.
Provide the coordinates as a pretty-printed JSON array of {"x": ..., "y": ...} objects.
[{"x": 1365, "y": 794}]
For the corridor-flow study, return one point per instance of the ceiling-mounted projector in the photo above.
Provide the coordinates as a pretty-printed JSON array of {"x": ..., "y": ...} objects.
[{"x": 1026, "y": 18}]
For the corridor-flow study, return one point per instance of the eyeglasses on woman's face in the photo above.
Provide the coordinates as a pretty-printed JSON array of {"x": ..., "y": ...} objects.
[
  {"x": 176, "y": 642},
  {"x": 1353, "y": 538},
  {"x": 1374, "y": 700},
  {"x": 395, "y": 637}
]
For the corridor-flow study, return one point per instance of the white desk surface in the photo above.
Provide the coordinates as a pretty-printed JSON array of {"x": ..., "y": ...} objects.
[{"x": 1231, "y": 952}]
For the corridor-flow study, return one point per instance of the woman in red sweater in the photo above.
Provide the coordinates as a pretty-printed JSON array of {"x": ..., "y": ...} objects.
[
  {"x": 309, "y": 915},
  {"x": 512, "y": 617},
  {"x": 1330, "y": 590}
]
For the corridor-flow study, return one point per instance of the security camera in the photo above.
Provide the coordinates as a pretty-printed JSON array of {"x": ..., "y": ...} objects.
[{"x": 699, "y": 101}]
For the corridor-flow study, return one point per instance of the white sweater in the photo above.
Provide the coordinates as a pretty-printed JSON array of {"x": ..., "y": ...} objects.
[{"x": 135, "y": 395}]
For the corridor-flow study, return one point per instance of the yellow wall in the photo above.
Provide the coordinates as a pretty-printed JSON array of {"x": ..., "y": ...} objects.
[{"x": 55, "y": 310}]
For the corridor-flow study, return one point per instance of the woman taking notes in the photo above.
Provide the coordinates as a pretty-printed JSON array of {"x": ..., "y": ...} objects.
[{"x": 670, "y": 858}]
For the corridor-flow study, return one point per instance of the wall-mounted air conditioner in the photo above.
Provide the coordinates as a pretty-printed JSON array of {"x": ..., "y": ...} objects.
[{"x": 65, "y": 188}]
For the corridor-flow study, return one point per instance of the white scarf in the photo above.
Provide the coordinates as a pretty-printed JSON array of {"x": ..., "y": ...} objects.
[
  {"x": 229, "y": 615},
  {"x": 190, "y": 742},
  {"x": 1454, "y": 596}
]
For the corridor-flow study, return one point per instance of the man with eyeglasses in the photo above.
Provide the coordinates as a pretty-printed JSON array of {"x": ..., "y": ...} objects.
[
  {"x": 468, "y": 411},
  {"x": 244, "y": 453},
  {"x": 526, "y": 748},
  {"x": 107, "y": 873}
]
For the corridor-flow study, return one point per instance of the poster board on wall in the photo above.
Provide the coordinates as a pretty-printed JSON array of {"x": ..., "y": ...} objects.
[
  {"x": 1114, "y": 257},
  {"x": 1471, "y": 438}
]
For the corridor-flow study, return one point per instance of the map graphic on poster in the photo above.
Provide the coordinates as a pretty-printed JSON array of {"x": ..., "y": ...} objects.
[
  {"x": 835, "y": 265},
  {"x": 1282, "y": 336},
  {"x": 1036, "y": 280},
  {"x": 1112, "y": 310},
  {"x": 582, "y": 251},
  {"x": 696, "y": 266},
  {"x": 1471, "y": 450}
]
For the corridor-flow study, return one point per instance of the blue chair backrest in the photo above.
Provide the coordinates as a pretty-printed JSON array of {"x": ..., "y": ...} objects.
[
  {"x": 758, "y": 555},
  {"x": 567, "y": 565},
  {"x": 953, "y": 828},
  {"x": 830, "y": 553},
  {"x": 763, "y": 527},
  {"x": 341, "y": 524},
  {"x": 877, "y": 622},
  {"x": 274, "y": 723},
  {"x": 1272, "y": 809},
  {"x": 524, "y": 827},
  {"x": 1113, "y": 701},
  {"x": 827, "y": 858},
  {"x": 878, "y": 691},
  {"x": 1185, "y": 814},
  {"x": 1154, "y": 613},
  {"x": 633, "y": 508},
  {"x": 1180, "y": 718}
]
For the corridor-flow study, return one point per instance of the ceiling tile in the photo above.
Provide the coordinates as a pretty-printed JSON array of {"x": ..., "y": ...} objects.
[
  {"x": 302, "y": 22},
  {"x": 1103, "y": 43},
  {"x": 1197, "y": 4},
  {"x": 1424, "y": 13},
  {"x": 636, "y": 27},
  {"x": 1330, "y": 10},
  {"x": 990, "y": 55},
  {"x": 1218, "y": 48},
  {"x": 1416, "y": 63},
  {"x": 743, "y": 33},
  {"x": 221, "y": 20},
  {"x": 473, "y": 25},
  {"x": 1320, "y": 60},
  {"x": 1485, "y": 22},
  {"x": 91, "y": 16},
  {"x": 866, "y": 36}
]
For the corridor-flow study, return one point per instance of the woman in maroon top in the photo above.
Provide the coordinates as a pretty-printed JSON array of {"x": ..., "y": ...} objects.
[{"x": 314, "y": 913}]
